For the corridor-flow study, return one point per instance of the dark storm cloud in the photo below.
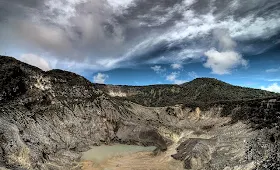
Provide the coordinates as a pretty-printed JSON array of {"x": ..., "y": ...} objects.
[
  {"x": 247, "y": 22},
  {"x": 112, "y": 33},
  {"x": 16, "y": 8}
]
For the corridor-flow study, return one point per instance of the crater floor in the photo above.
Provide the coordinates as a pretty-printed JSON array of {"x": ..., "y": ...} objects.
[{"x": 129, "y": 157}]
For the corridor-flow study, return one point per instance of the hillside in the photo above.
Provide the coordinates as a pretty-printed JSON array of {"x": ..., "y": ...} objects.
[
  {"x": 199, "y": 90},
  {"x": 47, "y": 119}
]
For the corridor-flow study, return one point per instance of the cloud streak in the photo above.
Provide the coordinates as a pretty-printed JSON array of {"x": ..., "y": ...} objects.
[
  {"x": 174, "y": 78},
  {"x": 272, "y": 70},
  {"x": 176, "y": 66},
  {"x": 158, "y": 69},
  {"x": 111, "y": 34},
  {"x": 193, "y": 75}
]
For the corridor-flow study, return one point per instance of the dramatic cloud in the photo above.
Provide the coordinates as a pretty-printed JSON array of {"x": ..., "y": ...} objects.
[
  {"x": 158, "y": 69},
  {"x": 35, "y": 60},
  {"x": 273, "y": 88},
  {"x": 173, "y": 77},
  {"x": 110, "y": 34},
  {"x": 100, "y": 78},
  {"x": 176, "y": 66}
]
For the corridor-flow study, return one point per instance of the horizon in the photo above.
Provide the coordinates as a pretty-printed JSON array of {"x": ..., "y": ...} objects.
[
  {"x": 140, "y": 42},
  {"x": 170, "y": 84}
]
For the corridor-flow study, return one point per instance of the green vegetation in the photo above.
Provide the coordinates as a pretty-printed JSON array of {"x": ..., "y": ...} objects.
[{"x": 194, "y": 93}]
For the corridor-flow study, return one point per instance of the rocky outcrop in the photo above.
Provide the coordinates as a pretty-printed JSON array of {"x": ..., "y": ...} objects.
[
  {"x": 48, "y": 118},
  {"x": 233, "y": 135}
]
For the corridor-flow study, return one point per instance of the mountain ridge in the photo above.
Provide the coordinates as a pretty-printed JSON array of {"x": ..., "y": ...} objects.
[
  {"x": 48, "y": 118},
  {"x": 206, "y": 90},
  {"x": 199, "y": 90}
]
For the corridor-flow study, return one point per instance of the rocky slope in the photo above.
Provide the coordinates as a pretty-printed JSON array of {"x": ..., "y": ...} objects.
[
  {"x": 48, "y": 118},
  {"x": 200, "y": 90}
]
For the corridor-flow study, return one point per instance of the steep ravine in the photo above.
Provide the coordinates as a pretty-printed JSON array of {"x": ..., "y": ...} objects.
[{"x": 48, "y": 118}]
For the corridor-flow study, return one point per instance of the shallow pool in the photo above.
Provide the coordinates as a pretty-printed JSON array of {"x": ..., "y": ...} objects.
[{"x": 103, "y": 152}]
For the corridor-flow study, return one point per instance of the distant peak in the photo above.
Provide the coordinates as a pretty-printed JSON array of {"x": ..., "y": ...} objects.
[
  {"x": 7, "y": 58},
  {"x": 200, "y": 79},
  {"x": 11, "y": 62},
  {"x": 205, "y": 79}
]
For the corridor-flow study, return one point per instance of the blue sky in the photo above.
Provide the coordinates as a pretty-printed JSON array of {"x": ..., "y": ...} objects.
[{"x": 143, "y": 42}]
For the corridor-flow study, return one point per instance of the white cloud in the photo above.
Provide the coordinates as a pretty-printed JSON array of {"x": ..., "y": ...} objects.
[
  {"x": 196, "y": 26},
  {"x": 82, "y": 28},
  {"x": 158, "y": 69},
  {"x": 273, "y": 88},
  {"x": 272, "y": 70},
  {"x": 188, "y": 2},
  {"x": 120, "y": 4},
  {"x": 199, "y": 25},
  {"x": 173, "y": 77},
  {"x": 223, "y": 62},
  {"x": 100, "y": 78},
  {"x": 193, "y": 74},
  {"x": 35, "y": 60},
  {"x": 176, "y": 66}
]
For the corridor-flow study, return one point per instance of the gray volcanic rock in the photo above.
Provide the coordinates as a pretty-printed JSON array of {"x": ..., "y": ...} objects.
[{"x": 48, "y": 118}]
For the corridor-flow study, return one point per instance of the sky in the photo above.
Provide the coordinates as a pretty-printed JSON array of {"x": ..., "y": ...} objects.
[{"x": 143, "y": 42}]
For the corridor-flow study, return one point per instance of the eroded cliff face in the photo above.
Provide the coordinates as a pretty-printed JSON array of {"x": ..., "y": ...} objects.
[
  {"x": 48, "y": 118},
  {"x": 215, "y": 142}
]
